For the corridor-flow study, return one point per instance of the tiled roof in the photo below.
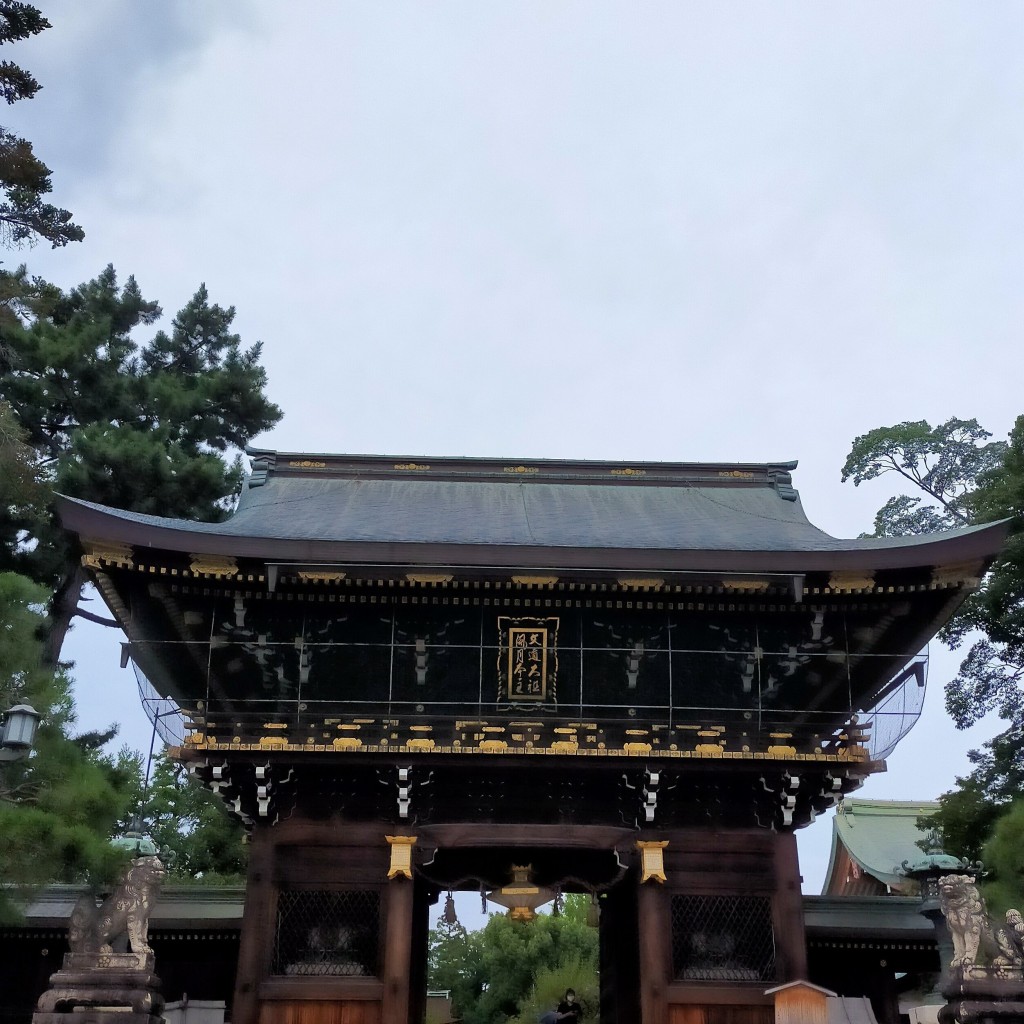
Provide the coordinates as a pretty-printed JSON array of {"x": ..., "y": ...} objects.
[{"x": 540, "y": 505}]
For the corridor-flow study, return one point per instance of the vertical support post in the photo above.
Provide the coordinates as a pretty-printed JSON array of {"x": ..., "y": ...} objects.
[
  {"x": 398, "y": 950},
  {"x": 257, "y": 929},
  {"x": 422, "y": 900},
  {"x": 399, "y": 930},
  {"x": 791, "y": 943},
  {"x": 655, "y": 932}
]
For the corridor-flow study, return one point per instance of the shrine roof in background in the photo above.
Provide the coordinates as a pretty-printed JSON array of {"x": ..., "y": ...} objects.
[{"x": 871, "y": 839}]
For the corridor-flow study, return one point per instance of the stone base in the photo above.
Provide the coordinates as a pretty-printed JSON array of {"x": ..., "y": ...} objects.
[
  {"x": 102, "y": 987},
  {"x": 971, "y": 1000},
  {"x": 96, "y": 1015}
]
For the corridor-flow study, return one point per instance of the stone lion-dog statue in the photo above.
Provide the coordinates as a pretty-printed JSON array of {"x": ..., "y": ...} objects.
[
  {"x": 973, "y": 935},
  {"x": 93, "y": 929}
]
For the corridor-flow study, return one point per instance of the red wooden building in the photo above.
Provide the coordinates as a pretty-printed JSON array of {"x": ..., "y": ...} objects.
[{"x": 640, "y": 679}]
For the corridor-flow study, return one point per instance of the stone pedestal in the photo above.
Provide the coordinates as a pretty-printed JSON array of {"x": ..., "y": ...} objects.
[
  {"x": 101, "y": 988},
  {"x": 985, "y": 999}
]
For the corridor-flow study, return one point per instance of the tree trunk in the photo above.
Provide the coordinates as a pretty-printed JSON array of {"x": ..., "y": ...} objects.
[{"x": 63, "y": 609}]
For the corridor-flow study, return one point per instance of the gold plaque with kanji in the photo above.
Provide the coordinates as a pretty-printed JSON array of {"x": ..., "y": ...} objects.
[{"x": 528, "y": 659}]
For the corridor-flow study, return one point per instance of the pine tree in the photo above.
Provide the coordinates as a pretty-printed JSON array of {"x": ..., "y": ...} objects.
[
  {"x": 152, "y": 428},
  {"x": 24, "y": 178},
  {"x": 59, "y": 805}
]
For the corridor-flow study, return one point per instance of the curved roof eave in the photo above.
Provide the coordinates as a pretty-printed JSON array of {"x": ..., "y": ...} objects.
[{"x": 98, "y": 522}]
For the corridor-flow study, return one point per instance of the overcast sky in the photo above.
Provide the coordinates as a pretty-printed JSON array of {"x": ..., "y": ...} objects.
[{"x": 716, "y": 231}]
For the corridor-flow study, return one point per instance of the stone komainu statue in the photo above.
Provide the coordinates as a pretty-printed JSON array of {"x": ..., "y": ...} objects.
[
  {"x": 93, "y": 928},
  {"x": 974, "y": 938}
]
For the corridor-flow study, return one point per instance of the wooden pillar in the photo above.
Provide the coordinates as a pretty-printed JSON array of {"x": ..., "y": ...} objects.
[
  {"x": 257, "y": 929},
  {"x": 398, "y": 950},
  {"x": 791, "y": 942},
  {"x": 655, "y": 939},
  {"x": 422, "y": 902}
]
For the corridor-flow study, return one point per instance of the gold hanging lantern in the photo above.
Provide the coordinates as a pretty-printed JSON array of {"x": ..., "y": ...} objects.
[{"x": 522, "y": 896}]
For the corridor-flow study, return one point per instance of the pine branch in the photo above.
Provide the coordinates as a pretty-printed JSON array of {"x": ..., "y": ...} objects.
[{"x": 93, "y": 617}]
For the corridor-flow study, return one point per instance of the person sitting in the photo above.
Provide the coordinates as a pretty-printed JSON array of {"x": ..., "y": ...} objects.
[{"x": 568, "y": 1008}]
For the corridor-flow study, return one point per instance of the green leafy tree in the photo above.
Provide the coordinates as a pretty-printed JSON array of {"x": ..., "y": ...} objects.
[
  {"x": 1004, "y": 859},
  {"x": 550, "y": 984},
  {"x": 151, "y": 427},
  {"x": 201, "y": 840},
  {"x": 493, "y": 974},
  {"x": 943, "y": 464},
  {"x": 961, "y": 478},
  {"x": 58, "y": 806},
  {"x": 455, "y": 964},
  {"x": 25, "y": 216}
]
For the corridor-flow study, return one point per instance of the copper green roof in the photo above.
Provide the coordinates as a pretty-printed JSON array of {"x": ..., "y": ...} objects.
[{"x": 879, "y": 836}]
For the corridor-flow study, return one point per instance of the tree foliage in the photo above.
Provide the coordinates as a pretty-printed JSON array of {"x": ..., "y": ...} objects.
[
  {"x": 550, "y": 984},
  {"x": 944, "y": 463},
  {"x": 193, "y": 828},
  {"x": 499, "y": 972},
  {"x": 25, "y": 216},
  {"x": 1004, "y": 858},
  {"x": 149, "y": 427},
  {"x": 58, "y": 806},
  {"x": 961, "y": 478}
]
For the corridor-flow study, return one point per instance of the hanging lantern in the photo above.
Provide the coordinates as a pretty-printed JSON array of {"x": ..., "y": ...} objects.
[
  {"x": 593, "y": 912},
  {"x": 521, "y": 896},
  {"x": 20, "y": 726},
  {"x": 449, "y": 916},
  {"x": 556, "y": 909}
]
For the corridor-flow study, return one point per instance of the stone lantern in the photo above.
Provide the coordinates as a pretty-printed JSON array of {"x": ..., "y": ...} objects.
[{"x": 928, "y": 870}]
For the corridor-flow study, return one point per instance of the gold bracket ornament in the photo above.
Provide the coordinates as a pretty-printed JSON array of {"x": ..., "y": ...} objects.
[
  {"x": 966, "y": 573},
  {"x": 850, "y": 580},
  {"x": 746, "y": 586},
  {"x": 401, "y": 855},
  {"x": 652, "y": 860},
  {"x": 316, "y": 576},
  {"x": 99, "y": 552},
  {"x": 213, "y": 565},
  {"x": 641, "y": 582}
]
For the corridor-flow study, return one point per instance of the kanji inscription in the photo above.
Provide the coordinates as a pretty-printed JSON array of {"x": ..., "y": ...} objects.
[{"x": 527, "y": 663}]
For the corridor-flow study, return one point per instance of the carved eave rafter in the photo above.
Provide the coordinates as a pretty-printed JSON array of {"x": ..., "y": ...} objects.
[
  {"x": 645, "y": 795},
  {"x": 227, "y": 571}
]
